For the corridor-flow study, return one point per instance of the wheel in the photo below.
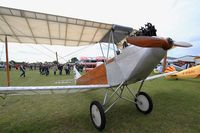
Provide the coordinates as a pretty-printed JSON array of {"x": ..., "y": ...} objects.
[
  {"x": 144, "y": 103},
  {"x": 97, "y": 115}
]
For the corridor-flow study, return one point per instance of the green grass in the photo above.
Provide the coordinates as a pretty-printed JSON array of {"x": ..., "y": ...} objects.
[
  {"x": 176, "y": 109},
  {"x": 32, "y": 78}
]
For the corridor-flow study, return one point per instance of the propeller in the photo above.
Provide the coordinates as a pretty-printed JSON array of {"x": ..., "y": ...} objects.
[
  {"x": 182, "y": 44},
  {"x": 148, "y": 41}
]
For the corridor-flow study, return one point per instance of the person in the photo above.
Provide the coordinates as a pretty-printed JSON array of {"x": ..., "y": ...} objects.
[
  {"x": 22, "y": 69},
  {"x": 68, "y": 69},
  {"x": 54, "y": 69},
  {"x": 40, "y": 69},
  {"x": 43, "y": 69},
  {"x": 125, "y": 44},
  {"x": 60, "y": 68},
  {"x": 65, "y": 68},
  {"x": 46, "y": 69}
]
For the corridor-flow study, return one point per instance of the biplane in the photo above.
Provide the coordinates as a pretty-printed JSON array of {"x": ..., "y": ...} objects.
[{"x": 140, "y": 53}]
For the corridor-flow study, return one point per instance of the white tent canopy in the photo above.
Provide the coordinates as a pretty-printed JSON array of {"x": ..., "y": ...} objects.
[{"x": 38, "y": 28}]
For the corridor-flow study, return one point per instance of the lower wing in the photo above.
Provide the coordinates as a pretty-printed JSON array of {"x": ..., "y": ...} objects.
[
  {"x": 160, "y": 75},
  {"x": 30, "y": 90}
]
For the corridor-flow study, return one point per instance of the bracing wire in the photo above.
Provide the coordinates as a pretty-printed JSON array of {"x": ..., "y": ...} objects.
[
  {"x": 53, "y": 52},
  {"x": 77, "y": 50},
  {"x": 41, "y": 51}
]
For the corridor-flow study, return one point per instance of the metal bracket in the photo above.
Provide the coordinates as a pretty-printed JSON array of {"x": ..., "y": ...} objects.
[
  {"x": 140, "y": 86},
  {"x": 119, "y": 93}
]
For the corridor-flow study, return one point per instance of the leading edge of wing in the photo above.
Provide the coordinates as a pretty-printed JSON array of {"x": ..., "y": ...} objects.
[
  {"x": 73, "y": 88},
  {"x": 160, "y": 75}
]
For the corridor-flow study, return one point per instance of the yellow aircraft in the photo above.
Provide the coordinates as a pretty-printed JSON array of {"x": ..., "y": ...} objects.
[{"x": 193, "y": 72}]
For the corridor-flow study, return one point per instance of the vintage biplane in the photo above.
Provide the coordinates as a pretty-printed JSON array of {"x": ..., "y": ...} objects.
[{"x": 141, "y": 52}]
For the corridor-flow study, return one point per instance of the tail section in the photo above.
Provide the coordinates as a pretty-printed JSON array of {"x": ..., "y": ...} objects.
[
  {"x": 76, "y": 74},
  {"x": 96, "y": 76}
]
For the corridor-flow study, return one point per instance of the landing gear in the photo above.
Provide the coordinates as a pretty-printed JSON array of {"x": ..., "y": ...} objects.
[
  {"x": 143, "y": 102},
  {"x": 97, "y": 115}
]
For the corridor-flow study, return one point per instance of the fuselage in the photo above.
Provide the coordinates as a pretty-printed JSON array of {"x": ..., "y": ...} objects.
[{"x": 131, "y": 65}]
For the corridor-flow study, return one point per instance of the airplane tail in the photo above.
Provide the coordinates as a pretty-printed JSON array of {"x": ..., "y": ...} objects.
[{"x": 76, "y": 74}]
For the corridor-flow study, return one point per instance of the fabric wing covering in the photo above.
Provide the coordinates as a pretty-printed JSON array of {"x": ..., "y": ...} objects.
[{"x": 38, "y": 28}]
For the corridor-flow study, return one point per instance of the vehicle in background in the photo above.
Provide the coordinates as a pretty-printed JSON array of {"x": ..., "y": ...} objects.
[{"x": 89, "y": 63}]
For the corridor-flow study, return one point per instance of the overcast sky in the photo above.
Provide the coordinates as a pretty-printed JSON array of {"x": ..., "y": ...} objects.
[{"x": 178, "y": 19}]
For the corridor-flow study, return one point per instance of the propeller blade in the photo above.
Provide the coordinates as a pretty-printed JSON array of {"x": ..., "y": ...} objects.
[
  {"x": 182, "y": 44},
  {"x": 147, "y": 41}
]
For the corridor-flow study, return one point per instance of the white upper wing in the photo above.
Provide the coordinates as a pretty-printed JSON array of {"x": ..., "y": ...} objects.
[{"x": 39, "y": 28}]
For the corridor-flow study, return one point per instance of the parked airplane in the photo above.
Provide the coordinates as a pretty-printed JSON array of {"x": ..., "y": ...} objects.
[
  {"x": 134, "y": 63},
  {"x": 193, "y": 72}
]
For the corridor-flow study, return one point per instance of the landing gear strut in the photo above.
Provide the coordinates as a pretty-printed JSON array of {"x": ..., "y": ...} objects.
[{"x": 142, "y": 101}]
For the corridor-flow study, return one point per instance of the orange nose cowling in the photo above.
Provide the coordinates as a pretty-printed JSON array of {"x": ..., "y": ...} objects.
[{"x": 146, "y": 41}]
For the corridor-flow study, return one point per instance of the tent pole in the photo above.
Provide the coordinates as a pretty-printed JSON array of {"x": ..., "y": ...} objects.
[
  {"x": 56, "y": 56},
  {"x": 7, "y": 63}
]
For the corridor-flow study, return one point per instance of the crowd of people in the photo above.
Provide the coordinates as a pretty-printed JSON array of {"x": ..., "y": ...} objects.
[
  {"x": 45, "y": 68},
  {"x": 60, "y": 68}
]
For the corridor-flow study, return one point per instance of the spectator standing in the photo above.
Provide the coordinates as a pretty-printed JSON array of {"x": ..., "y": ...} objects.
[
  {"x": 54, "y": 69},
  {"x": 22, "y": 69},
  {"x": 60, "y": 68},
  {"x": 68, "y": 69},
  {"x": 65, "y": 68},
  {"x": 46, "y": 69}
]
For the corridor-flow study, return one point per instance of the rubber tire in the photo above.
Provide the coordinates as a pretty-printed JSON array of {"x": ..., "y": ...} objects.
[
  {"x": 102, "y": 114},
  {"x": 150, "y": 108}
]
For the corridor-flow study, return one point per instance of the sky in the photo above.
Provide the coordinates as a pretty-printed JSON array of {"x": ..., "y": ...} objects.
[{"x": 177, "y": 19}]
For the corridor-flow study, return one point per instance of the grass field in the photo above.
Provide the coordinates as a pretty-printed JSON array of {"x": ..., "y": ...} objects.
[{"x": 176, "y": 108}]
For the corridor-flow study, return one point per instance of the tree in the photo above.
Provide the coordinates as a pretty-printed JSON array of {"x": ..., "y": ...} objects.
[
  {"x": 12, "y": 62},
  {"x": 55, "y": 62},
  {"x": 74, "y": 59}
]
